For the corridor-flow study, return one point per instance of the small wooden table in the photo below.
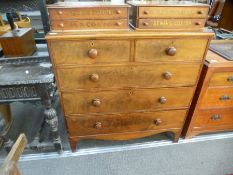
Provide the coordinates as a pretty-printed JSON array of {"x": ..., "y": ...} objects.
[{"x": 30, "y": 79}]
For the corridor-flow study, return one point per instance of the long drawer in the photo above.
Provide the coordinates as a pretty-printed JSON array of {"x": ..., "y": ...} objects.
[
  {"x": 170, "y": 23},
  {"x": 222, "y": 79},
  {"x": 89, "y": 24},
  {"x": 118, "y": 123},
  {"x": 214, "y": 118},
  {"x": 173, "y": 12},
  {"x": 172, "y": 49},
  {"x": 89, "y": 51},
  {"x": 126, "y": 100},
  {"x": 147, "y": 75},
  {"x": 88, "y": 13},
  {"x": 217, "y": 97}
]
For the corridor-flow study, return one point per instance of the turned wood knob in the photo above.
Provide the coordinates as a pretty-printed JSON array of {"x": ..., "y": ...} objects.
[
  {"x": 61, "y": 25},
  {"x": 167, "y": 75},
  {"x": 162, "y": 100},
  {"x": 60, "y": 12},
  {"x": 92, "y": 53},
  {"x": 197, "y": 23},
  {"x": 98, "y": 125},
  {"x": 200, "y": 12},
  {"x": 119, "y": 23},
  {"x": 145, "y": 23},
  {"x": 94, "y": 77},
  {"x": 118, "y": 12},
  {"x": 146, "y": 12},
  {"x": 158, "y": 122},
  {"x": 96, "y": 102},
  {"x": 171, "y": 51}
]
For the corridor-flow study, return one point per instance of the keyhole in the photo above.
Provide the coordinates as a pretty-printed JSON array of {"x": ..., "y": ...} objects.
[{"x": 92, "y": 44}]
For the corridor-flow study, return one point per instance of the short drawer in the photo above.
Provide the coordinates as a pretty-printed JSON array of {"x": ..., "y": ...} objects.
[
  {"x": 126, "y": 100},
  {"x": 88, "y": 13},
  {"x": 173, "y": 49},
  {"x": 148, "y": 76},
  {"x": 118, "y": 123},
  {"x": 214, "y": 118},
  {"x": 217, "y": 97},
  {"x": 221, "y": 79},
  {"x": 89, "y": 24},
  {"x": 173, "y": 12},
  {"x": 171, "y": 23},
  {"x": 89, "y": 51}
]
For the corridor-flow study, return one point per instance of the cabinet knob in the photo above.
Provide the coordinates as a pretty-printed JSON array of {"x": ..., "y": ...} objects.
[
  {"x": 158, "y": 122},
  {"x": 146, "y": 12},
  {"x": 98, "y": 125},
  {"x": 96, "y": 102},
  {"x": 118, "y": 12},
  {"x": 230, "y": 79},
  {"x": 145, "y": 23},
  {"x": 94, "y": 77},
  {"x": 60, "y": 12},
  {"x": 171, "y": 51},
  {"x": 216, "y": 117},
  {"x": 61, "y": 25},
  {"x": 167, "y": 75},
  {"x": 225, "y": 97},
  {"x": 92, "y": 53},
  {"x": 162, "y": 100},
  {"x": 197, "y": 23},
  {"x": 200, "y": 12},
  {"x": 119, "y": 23}
]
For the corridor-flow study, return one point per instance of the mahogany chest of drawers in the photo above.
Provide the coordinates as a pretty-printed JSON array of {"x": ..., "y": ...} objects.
[
  {"x": 212, "y": 107},
  {"x": 126, "y": 85},
  {"x": 168, "y": 15},
  {"x": 68, "y": 16}
]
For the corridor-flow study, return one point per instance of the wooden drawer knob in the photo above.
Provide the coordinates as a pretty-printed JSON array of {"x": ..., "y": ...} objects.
[
  {"x": 167, "y": 75},
  {"x": 98, "y": 125},
  {"x": 96, "y": 102},
  {"x": 145, "y": 23},
  {"x": 230, "y": 79},
  {"x": 94, "y": 77},
  {"x": 92, "y": 53},
  {"x": 162, "y": 100},
  {"x": 171, "y": 51},
  {"x": 60, "y": 12},
  {"x": 200, "y": 12},
  {"x": 119, "y": 23},
  {"x": 61, "y": 25},
  {"x": 146, "y": 12},
  {"x": 158, "y": 122},
  {"x": 225, "y": 98},
  {"x": 197, "y": 23},
  {"x": 118, "y": 12},
  {"x": 216, "y": 117}
]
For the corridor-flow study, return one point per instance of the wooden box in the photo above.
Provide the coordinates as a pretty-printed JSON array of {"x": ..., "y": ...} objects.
[
  {"x": 212, "y": 107},
  {"x": 19, "y": 42},
  {"x": 88, "y": 16},
  {"x": 168, "y": 15}
]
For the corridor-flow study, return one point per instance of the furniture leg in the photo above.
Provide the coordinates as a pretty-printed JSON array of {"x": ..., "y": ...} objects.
[{"x": 73, "y": 145}]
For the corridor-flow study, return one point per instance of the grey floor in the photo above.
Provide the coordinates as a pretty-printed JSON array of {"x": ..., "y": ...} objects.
[{"x": 154, "y": 155}]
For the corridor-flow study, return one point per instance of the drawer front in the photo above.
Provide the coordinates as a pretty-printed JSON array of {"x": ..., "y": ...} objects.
[
  {"x": 173, "y": 12},
  {"x": 126, "y": 100},
  {"x": 222, "y": 79},
  {"x": 118, "y": 123},
  {"x": 89, "y": 51},
  {"x": 217, "y": 97},
  {"x": 166, "y": 75},
  {"x": 88, "y": 13},
  {"x": 173, "y": 49},
  {"x": 89, "y": 24},
  {"x": 214, "y": 118},
  {"x": 171, "y": 23}
]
